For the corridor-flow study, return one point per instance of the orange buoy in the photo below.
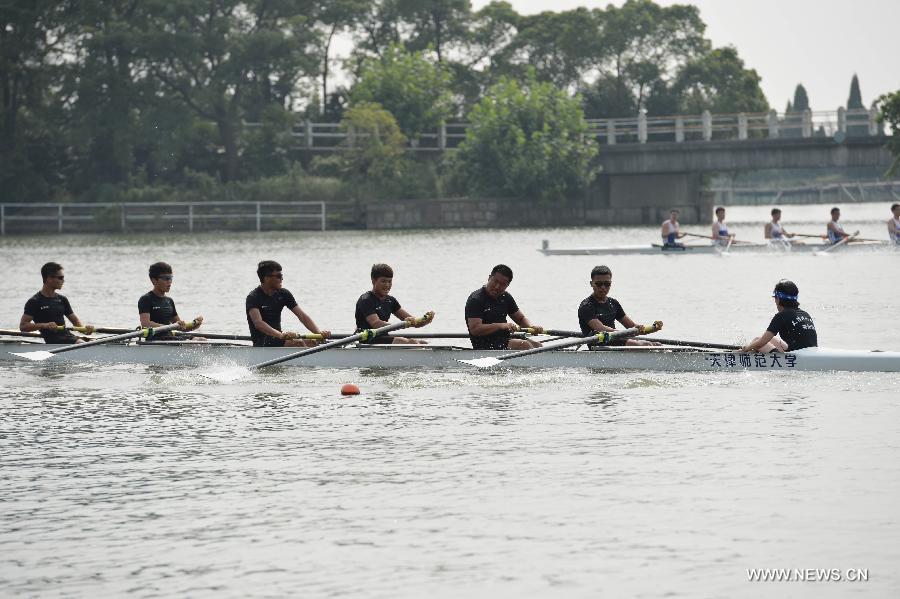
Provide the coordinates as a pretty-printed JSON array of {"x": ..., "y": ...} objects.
[{"x": 349, "y": 389}]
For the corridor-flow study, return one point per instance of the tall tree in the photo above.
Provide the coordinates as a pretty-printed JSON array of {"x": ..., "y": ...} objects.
[
  {"x": 889, "y": 112},
  {"x": 718, "y": 82},
  {"x": 854, "y": 102},
  {"x": 435, "y": 23},
  {"x": 801, "y": 100}
]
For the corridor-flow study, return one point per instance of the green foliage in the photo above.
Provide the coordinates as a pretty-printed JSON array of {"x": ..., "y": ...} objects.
[
  {"x": 528, "y": 141},
  {"x": 377, "y": 148},
  {"x": 718, "y": 82},
  {"x": 889, "y": 113},
  {"x": 409, "y": 86},
  {"x": 854, "y": 102},
  {"x": 801, "y": 100}
]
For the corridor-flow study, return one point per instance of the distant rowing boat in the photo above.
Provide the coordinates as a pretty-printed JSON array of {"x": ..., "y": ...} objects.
[
  {"x": 193, "y": 354},
  {"x": 659, "y": 249}
]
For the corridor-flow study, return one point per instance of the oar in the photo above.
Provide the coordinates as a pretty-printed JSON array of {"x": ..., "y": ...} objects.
[
  {"x": 838, "y": 244},
  {"x": 711, "y": 237},
  {"x": 362, "y": 336},
  {"x": 43, "y": 355},
  {"x": 685, "y": 343},
  {"x": 231, "y": 337},
  {"x": 811, "y": 236},
  {"x": 604, "y": 337}
]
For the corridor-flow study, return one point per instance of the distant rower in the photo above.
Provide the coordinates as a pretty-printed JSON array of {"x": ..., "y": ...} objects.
[
  {"x": 374, "y": 308},
  {"x": 47, "y": 310},
  {"x": 157, "y": 309},
  {"x": 670, "y": 231},
  {"x": 720, "y": 233},
  {"x": 599, "y": 312},
  {"x": 793, "y": 325},
  {"x": 486, "y": 312},
  {"x": 835, "y": 231},
  {"x": 894, "y": 224},
  {"x": 264, "y": 306},
  {"x": 774, "y": 230}
]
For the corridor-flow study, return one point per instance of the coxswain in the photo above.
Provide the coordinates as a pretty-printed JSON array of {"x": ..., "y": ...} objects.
[
  {"x": 47, "y": 310},
  {"x": 599, "y": 312},
  {"x": 790, "y": 329},
  {"x": 720, "y": 233},
  {"x": 156, "y": 309},
  {"x": 671, "y": 232},
  {"x": 264, "y": 306},
  {"x": 894, "y": 224},
  {"x": 836, "y": 232},
  {"x": 774, "y": 231},
  {"x": 487, "y": 309},
  {"x": 374, "y": 308}
]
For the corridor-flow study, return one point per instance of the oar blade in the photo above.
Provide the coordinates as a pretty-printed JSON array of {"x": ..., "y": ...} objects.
[
  {"x": 36, "y": 356},
  {"x": 482, "y": 362}
]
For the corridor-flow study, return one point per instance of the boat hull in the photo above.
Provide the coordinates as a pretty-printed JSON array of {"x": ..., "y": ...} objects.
[
  {"x": 687, "y": 250},
  {"x": 430, "y": 357}
]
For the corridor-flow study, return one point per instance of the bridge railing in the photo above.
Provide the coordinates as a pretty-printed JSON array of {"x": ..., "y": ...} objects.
[{"x": 324, "y": 137}]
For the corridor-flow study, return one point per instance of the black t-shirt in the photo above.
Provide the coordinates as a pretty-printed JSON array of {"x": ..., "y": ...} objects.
[
  {"x": 607, "y": 312},
  {"x": 490, "y": 311},
  {"x": 795, "y": 327},
  {"x": 50, "y": 309},
  {"x": 369, "y": 303},
  {"x": 161, "y": 310},
  {"x": 270, "y": 307}
]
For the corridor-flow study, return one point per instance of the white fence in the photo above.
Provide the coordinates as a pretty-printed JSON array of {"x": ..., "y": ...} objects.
[
  {"x": 324, "y": 137},
  {"x": 160, "y": 216}
]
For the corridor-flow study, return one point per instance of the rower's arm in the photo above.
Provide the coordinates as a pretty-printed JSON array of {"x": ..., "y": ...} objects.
[
  {"x": 521, "y": 320},
  {"x": 479, "y": 328},
  {"x": 768, "y": 233},
  {"x": 261, "y": 325},
  {"x": 308, "y": 322},
  {"x": 627, "y": 322},
  {"x": 715, "y": 232},
  {"x": 375, "y": 322},
  {"x": 892, "y": 227},
  {"x": 596, "y": 325},
  {"x": 26, "y": 324},
  {"x": 760, "y": 342},
  {"x": 146, "y": 323}
]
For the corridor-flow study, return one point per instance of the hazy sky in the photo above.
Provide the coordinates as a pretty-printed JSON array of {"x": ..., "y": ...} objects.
[{"x": 819, "y": 43}]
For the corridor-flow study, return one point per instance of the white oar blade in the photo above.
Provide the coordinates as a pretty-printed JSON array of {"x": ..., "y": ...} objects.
[
  {"x": 482, "y": 362},
  {"x": 36, "y": 356}
]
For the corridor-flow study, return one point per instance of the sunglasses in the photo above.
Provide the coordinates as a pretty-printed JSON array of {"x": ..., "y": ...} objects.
[
  {"x": 277, "y": 275},
  {"x": 601, "y": 283},
  {"x": 166, "y": 277}
]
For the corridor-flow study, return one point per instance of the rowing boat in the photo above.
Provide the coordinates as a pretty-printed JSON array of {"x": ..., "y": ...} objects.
[
  {"x": 659, "y": 249},
  {"x": 193, "y": 354}
]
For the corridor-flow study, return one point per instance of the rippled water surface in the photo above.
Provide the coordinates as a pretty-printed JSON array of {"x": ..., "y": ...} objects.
[{"x": 137, "y": 480}]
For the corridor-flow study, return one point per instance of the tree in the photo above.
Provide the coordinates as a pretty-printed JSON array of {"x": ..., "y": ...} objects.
[
  {"x": 377, "y": 148},
  {"x": 889, "y": 112},
  {"x": 854, "y": 102},
  {"x": 527, "y": 140},
  {"x": 409, "y": 86},
  {"x": 435, "y": 23},
  {"x": 801, "y": 100},
  {"x": 718, "y": 82}
]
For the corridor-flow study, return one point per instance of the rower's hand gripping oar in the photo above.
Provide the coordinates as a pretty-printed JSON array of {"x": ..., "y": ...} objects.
[
  {"x": 603, "y": 337},
  {"x": 362, "y": 336},
  {"x": 838, "y": 244},
  {"x": 43, "y": 355}
]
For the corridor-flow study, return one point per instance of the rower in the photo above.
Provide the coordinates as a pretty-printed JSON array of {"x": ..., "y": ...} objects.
[
  {"x": 599, "y": 312},
  {"x": 156, "y": 309},
  {"x": 486, "y": 312},
  {"x": 774, "y": 231},
  {"x": 46, "y": 310},
  {"x": 794, "y": 326},
  {"x": 894, "y": 224},
  {"x": 835, "y": 231},
  {"x": 671, "y": 232},
  {"x": 720, "y": 234},
  {"x": 264, "y": 306},
  {"x": 374, "y": 308}
]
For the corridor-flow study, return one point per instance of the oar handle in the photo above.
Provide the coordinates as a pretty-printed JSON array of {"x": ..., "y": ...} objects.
[{"x": 149, "y": 332}]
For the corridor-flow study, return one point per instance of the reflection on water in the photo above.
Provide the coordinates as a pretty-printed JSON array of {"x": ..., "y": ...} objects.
[{"x": 450, "y": 482}]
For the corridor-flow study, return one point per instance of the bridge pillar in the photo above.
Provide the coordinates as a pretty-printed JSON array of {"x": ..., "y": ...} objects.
[
  {"x": 742, "y": 126},
  {"x": 842, "y": 119},
  {"x": 707, "y": 126},
  {"x": 442, "y": 136},
  {"x": 679, "y": 129},
  {"x": 773, "y": 124},
  {"x": 642, "y": 126},
  {"x": 308, "y": 134},
  {"x": 611, "y": 132},
  {"x": 807, "y": 123},
  {"x": 873, "y": 121},
  {"x": 646, "y": 199}
]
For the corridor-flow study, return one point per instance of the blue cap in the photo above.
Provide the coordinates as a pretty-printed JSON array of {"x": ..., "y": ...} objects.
[{"x": 784, "y": 296}]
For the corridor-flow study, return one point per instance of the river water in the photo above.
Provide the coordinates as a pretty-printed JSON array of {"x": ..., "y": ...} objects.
[{"x": 133, "y": 480}]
